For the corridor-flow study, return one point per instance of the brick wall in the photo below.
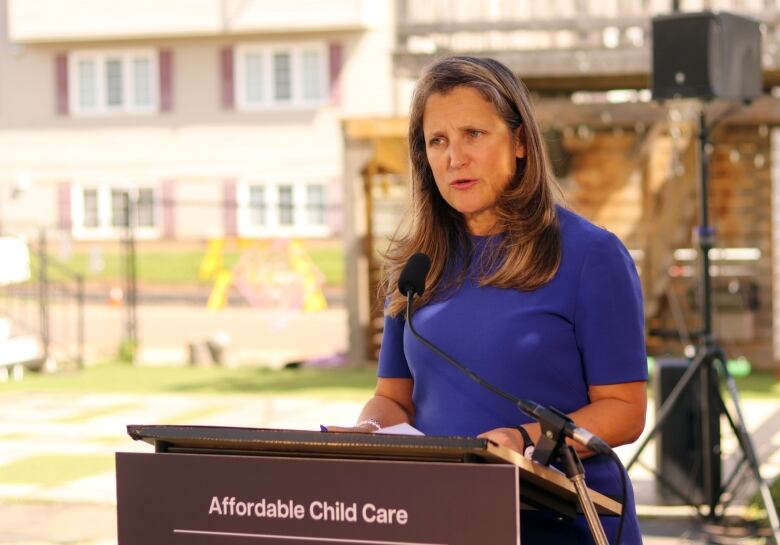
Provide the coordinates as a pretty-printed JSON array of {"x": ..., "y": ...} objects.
[{"x": 613, "y": 184}]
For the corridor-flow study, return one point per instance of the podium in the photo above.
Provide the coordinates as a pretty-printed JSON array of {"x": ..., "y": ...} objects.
[{"x": 219, "y": 485}]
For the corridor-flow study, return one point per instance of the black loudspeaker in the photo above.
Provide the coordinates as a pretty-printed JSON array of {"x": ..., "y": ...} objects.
[
  {"x": 706, "y": 55},
  {"x": 678, "y": 445}
]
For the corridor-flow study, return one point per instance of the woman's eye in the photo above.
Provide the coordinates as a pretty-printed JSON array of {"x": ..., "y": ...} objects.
[
  {"x": 475, "y": 133},
  {"x": 435, "y": 141}
]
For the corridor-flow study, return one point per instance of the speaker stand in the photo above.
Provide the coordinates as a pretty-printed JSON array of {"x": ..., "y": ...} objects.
[{"x": 709, "y": 367}]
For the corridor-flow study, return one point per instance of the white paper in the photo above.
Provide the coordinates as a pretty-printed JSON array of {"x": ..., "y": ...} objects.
[{"x": 400, "y": 429}]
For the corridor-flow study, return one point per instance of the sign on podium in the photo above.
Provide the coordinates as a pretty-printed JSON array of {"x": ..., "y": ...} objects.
[{"x": 212, "y": 485}]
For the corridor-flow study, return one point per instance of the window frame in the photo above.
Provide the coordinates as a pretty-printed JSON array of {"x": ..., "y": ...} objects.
[
  {"x": 99, "y": 58},
  {"x": 105, "y": 229},
  {"x": 319, "y": 208},
  {"x": 266, "y": 52},
  {"x": 273, "y": 228}
]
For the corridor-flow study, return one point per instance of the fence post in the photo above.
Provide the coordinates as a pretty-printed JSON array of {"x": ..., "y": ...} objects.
[
  {"x": 81, "y": 330},
  {"x": 43, "y": 294},
  {"x": 128, "y": 271}
]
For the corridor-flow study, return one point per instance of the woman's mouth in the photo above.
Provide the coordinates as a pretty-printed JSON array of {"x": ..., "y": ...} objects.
[{"x": 464, "y": 183}]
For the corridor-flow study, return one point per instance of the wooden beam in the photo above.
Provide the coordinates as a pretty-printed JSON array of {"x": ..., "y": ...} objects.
[
  {"x": 410, "y": 28},
  {"x": 369, "y": 128},
  {"x": 558, "y": 63}
]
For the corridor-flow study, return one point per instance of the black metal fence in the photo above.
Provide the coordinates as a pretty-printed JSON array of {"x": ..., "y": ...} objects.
[{"x": 47, "y": 305}]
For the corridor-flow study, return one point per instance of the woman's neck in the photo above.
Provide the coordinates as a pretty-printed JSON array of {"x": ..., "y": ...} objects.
[{"x": 482, "y": 224}]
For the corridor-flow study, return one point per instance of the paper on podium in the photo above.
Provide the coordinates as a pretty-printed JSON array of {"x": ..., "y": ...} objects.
[{"x": 400, "y": 429}]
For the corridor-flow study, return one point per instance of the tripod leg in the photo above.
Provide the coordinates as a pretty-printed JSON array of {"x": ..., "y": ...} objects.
[
  {"x": 668, "y": 405},
  {"x": 710, "y": 404},
  {"x": 737, "y": 474},
  {"x": 738, "y": 425}
]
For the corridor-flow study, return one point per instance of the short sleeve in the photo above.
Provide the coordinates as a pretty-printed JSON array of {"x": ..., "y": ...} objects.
[
  {"x": 392, "y": 360},
  {"x": 609, "y": 319}
]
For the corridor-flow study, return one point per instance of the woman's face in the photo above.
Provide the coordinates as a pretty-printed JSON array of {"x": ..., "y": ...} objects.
[{"x": 472, "y": 153}]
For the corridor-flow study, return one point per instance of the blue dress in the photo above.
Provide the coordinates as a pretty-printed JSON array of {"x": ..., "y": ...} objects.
[{"x": 584, "y": 327}]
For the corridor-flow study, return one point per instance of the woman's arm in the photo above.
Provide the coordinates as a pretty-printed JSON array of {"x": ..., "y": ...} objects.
[
  {"x": 391, "y": 404},
  {"x": 616, "y": 413}
]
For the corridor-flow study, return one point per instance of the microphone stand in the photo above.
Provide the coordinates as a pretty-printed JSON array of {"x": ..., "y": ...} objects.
[
  {"x": 576, "y": 474},
  {"x": 555, "y": 426}
]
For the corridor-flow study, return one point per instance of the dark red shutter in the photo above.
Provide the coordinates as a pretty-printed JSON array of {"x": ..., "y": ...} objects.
[
  {"x": 165, "y": 61},
  {"x": 61, "y": 79},
  {"x": 168, "y": 195},
  {"x": 230, "y": 204},
  {"x": 335, "y": 63},
  {"x": 63, "y": 206},
  {"x": 226, "y": 71}
]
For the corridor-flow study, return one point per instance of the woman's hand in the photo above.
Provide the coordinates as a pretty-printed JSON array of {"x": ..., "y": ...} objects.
[
  {"x": 505, "y": 437},
  {"x": 392, "y": 404}
]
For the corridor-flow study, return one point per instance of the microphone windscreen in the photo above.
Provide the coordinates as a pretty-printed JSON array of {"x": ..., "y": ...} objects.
[{"x": 412, "y": 278}]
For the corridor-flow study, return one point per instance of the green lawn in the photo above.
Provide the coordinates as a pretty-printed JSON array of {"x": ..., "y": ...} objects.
[
  {"x": 49, "y": 469},
  {"x": 357, "y": 383},
  {"x": 352, "y": 384},
  {"x": 55, "y": 469},
  {"x": 52, "y": 469},
  {"x": 759, "y": 385},
  {"x": 181, "y": 266}
]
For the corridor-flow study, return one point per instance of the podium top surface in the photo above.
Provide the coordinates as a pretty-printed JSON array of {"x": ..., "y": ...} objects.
[
  {"x": 282, "y": 442},
  {"x": 544, "y": 483}
]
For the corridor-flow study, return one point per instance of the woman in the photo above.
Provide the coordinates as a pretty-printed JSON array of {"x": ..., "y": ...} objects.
[{"x": 527, "y": 294}]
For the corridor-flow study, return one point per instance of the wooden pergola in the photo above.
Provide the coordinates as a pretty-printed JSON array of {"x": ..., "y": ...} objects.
[
  {"x": 634, "y": 171},
  {"x": 375, "y": 148}
]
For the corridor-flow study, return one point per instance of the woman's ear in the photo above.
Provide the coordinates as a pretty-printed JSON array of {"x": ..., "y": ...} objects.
[{"x": 520, "y": 142}]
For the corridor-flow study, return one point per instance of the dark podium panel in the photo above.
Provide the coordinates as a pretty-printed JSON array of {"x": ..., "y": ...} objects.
[
  {"x": 224, "y": 500},
  {"x": 209, "y": 485}
]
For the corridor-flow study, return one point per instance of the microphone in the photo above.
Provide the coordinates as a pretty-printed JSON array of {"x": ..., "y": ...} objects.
[
  {"x": 413, "y": 275},
  {"x": 411, "y": 282}
]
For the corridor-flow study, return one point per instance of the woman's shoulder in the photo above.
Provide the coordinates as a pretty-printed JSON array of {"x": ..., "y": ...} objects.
[
  {"x": 577, "y": 228},
  {"x": 579, "y": 236}
]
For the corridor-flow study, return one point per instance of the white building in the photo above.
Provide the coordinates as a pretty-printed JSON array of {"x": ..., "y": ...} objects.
[{"x": 215, "y": 117}]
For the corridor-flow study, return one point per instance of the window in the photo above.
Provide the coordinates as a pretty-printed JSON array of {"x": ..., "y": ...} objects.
[
  {"x": 142, "y": 82},
  {"x": 113, "y": 82},
  {"x": 91, "y": 219},
  {"x": 282, "y": 209},
  {"x": 145, "y": 208},
  {"x": 312, "y": 75},
  {"x": 254, "y": 77},
  {"x": 257, "y": 216},
  {"x": 286, "y": 210},
  {"x": 87, "y": 82},
  {"x": 281, "y": 75},
  {"x": 315, "y": 204},
  {"x": 103, "y": 212}
]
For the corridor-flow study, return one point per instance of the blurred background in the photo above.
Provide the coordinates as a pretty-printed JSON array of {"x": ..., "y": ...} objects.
[{"x": 195, "y": 194}]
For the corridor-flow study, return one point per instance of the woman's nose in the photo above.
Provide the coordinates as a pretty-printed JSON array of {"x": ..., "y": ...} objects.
[{"x": 457, "y": 156}]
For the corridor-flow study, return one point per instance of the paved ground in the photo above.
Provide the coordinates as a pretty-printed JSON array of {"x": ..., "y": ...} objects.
[
  {"x": 256, "y": 336},
  {"x": 81, "y": 509},
  {"x": 47, "y": 435}
]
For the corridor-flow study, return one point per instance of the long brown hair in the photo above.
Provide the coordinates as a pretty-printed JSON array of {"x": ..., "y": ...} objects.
[{"x": 529, "y": 252}]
